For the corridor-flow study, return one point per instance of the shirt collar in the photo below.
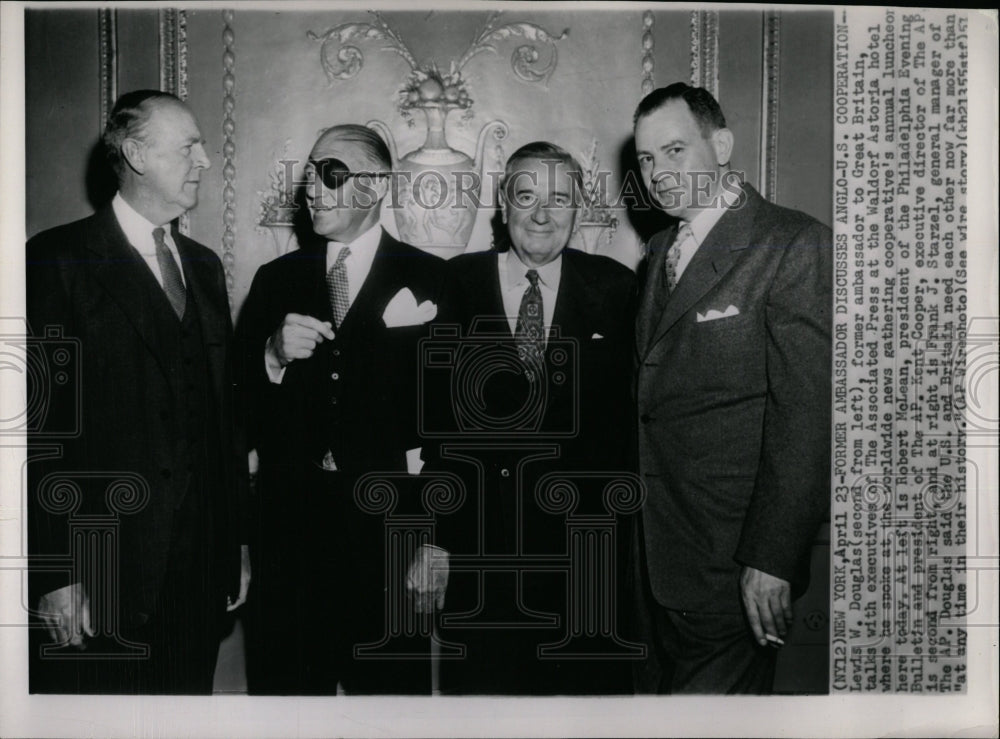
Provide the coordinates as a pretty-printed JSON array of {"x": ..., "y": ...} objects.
[
  {"x": 703, "y": 223},
  {"x": 363, "y": 246},
  {"x": 137, "y": 229},
  {"x": 516, "y": 270}
]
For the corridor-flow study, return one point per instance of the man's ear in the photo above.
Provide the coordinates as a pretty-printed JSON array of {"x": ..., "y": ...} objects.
[
  {"x": 503, "y": 201},
  {"x": 722, "y": 142},
  {"x": 381, "y": 187},
  {"x": 134, "y": 154}
]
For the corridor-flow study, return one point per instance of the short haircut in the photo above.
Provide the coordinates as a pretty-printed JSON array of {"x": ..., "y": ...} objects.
[
  {"x": 703, "y": 106},
  {"x": 365, "y": 139},
  {"x": 128, "y": 120},
  {"x": 543, "y": 151}
]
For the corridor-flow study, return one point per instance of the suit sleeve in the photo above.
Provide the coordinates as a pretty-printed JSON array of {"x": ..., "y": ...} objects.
[
  {"x": 791, "y": 494},
  {"x": 49, "y": 308},
  {"x": 251, "y": 376},
  {"x": 455, "y": 531}
]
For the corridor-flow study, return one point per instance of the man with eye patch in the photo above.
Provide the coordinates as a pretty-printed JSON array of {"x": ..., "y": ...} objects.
[
  {"x": 329, "y": 335},
  {"x": 733, "y": 389}
]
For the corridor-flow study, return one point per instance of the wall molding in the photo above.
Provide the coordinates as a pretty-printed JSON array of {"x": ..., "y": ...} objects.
[
  {"x": 648, "y": 46},
  {"x": 705, "y": 50},
  {"x": 769, "y": 83},
  {"x": 173, "y": 54},
  {"x": 228, "y": 151},
  {"x": 107, "y": 42}
]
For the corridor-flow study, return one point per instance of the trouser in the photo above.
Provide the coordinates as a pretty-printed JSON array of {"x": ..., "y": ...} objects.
[
  {"x": 692, "y": 652},
  {"x": 319, "y": 596},
  {"x": 172, "y": 650},
  {"x": 704, "y": 653}
]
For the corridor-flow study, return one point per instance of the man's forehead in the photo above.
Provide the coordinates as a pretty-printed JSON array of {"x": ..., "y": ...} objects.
[
  {"x": 553, "y": 175},
  {"x": 173, "y": 116},
  {"x": 334, "y": 145},
  {"x": 671, "y": 118}
]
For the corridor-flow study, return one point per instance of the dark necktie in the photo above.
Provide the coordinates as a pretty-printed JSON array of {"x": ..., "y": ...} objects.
[
  {"x": 173, "y": 283},
  {"x": 336, "y": 287},
  {"x": 529, "y": 334}
]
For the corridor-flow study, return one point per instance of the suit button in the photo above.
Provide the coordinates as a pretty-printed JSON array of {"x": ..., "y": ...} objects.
[
  {"x": 336, "y": 352},
  {"x": 333, "y": 401},
  {"x": 335, "y": 376},
  {"x": 645, "y": 418},
  {"x": 505, "y": 472}
]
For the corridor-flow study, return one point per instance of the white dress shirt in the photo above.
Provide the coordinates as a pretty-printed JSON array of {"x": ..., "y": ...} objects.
[
  {"x": 514, "y": 281},
  {"x": 358, "y": 265},
  {"x": 699, "y": 228},
  {"x": 139, "y": 233}
]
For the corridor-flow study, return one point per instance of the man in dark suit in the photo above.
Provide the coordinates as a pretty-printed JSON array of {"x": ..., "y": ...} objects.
[
  {"x": 733, "y": 351},
  {"x": 135, "y": 523},
  {"x": 534, "y": 407},
  {"x": 330, "y": 334}
]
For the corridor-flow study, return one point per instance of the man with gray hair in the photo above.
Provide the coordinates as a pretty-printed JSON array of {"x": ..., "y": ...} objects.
[
  {"x": 329, "y": 335},
  {"x": 150, "y": 449}
]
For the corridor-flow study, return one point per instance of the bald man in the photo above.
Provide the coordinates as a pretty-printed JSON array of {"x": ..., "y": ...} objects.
[{"x": 332, "y": 369}]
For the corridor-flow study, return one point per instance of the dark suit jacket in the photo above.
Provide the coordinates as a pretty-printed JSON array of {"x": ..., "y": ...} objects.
[
  {"x": 366, "y": 415},
  {"x": 86, "y": 281},
  {"x": 734, "y": 413},
  {"x": 583, "y": 411},
  {"x": 321, "y": 558}
]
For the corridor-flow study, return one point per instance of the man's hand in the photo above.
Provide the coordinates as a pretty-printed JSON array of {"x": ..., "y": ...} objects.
[
  {"x": 244, "y": 580},
  {"x": 427, "y": 579},
  {"x": 66, "y": 613},
  {"x": 768, "y": 603},
  {"x": 297, "y": 338}
]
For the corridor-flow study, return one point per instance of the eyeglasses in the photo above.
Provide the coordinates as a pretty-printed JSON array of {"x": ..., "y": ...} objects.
[{"x": 333, "y": 173}]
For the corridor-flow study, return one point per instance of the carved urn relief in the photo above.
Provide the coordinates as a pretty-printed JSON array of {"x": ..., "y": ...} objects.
[{"x": 438, "y": 189}]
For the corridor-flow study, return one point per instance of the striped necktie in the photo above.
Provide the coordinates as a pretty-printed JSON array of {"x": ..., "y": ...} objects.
[{"x": 173, "y": 283}]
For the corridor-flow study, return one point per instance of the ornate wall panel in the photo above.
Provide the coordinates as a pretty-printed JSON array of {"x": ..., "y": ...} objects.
[
  {"x": 107, "y": 64},
  {"x": 769, "y": 91},
  {"x": 450, "y": 90}
]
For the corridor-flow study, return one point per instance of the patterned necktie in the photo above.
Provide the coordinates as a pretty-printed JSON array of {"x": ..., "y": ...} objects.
[
  {"x": 529, "y": 334},
  {"x": 336, "y": 287},
  {"x": 173, "y": 283},
  {"x": 674, "y": 256}
]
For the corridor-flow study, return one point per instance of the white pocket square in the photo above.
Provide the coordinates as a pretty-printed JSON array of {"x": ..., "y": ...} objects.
[
  {"x": 597, "y": 336},
  {"x": 715, "y": 315},
  {"x": 403, "y": 310}
]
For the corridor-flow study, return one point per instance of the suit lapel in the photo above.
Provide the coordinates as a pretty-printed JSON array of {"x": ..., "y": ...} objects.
[
  {"x": 384, "y": 280},
  {"x": 714, "y": 258},
  {"x": 650, "y": 308},
  {"x": 575, "y": 301},
  {"x": 482, "y": 285},
  {"x": 125, "y": 276},
  {"x": 201, "y": 283}
]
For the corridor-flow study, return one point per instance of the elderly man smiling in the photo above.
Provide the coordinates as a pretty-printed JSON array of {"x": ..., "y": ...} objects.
[{"x": 539, "y": 392}]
